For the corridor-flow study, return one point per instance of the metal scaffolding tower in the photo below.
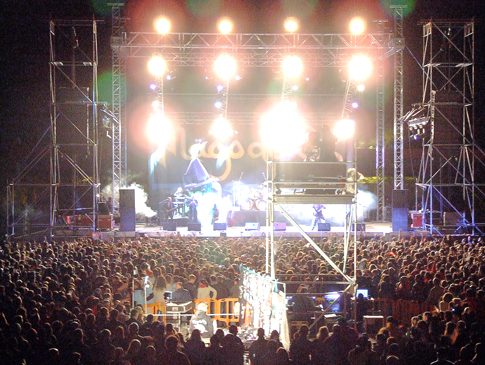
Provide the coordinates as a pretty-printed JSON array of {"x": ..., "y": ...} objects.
[
  {"x": 447, "y": 179},
  {"x": 71, "y": 188}
]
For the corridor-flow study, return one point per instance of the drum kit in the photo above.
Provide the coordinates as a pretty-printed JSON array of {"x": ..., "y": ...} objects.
[{"x": 252, "y": 199}]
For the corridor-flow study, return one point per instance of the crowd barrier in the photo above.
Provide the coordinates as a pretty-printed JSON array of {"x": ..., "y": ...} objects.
[
  {"x": 402, "y": 310},
  {"x": 223, "y": 310}
]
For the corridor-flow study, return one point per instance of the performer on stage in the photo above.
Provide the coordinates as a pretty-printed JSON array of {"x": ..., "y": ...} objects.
[
  {"x": 215, "y": 214},
  {"x": 193, "y": 203},
  {"x": 317, "y": 215},
  {"x": 166, "y": 210}
]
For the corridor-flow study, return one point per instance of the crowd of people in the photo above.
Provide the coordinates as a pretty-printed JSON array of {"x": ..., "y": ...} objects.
[{"x": 70, "y": 301}]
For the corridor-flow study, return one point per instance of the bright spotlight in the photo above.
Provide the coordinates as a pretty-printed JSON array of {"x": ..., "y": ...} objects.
[
  {"x": 218, "y": 104},
  {"x": 355, "y": 105},
  {"x": 357, "y": 26},
  {"x": 360, "y": 67},
  {"x": 153, "y": 87},
  {"x": 361, "y": 87},
  {"x": 291, "y": 25},
  {"x": 221, "y": 129},
  {"x": 159, "y": 129},
  {"x": 225, "y": 66},
  {"x": 162, "y": 25},
  {"x": 157, "y": 66},
  {"x": 344, "y": 129},
  {"x": 283, "y": 129},
  {"x": 225, "y": 26},
  {"x": 292, "y": 66}
]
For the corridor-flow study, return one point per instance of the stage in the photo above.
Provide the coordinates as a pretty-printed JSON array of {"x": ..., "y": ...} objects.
[{"x": 368, "y": 230}]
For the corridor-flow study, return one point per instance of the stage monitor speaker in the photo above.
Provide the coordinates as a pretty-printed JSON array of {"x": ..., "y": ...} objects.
[
  {"x": 251, "y": 226},
  {"x": 324, "y": 227},
  {"x": 360, "y": 227},
  {"x": 219, "y": 226},
  {"x": 400, "y": 199},
  {"x": 127, "y": 210},
  {"x": 399, "y": 219},
  {"x": 195, "y": 227},
  {"x": 170, "y": 226},
  {"x": 279, "y": 226}
]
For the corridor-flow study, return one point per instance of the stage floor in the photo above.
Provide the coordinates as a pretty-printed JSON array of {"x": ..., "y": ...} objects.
[{"x": 372, "y": 230}]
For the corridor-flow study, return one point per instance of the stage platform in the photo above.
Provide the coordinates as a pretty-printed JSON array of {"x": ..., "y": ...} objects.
[{"x": 368, "y": 230}]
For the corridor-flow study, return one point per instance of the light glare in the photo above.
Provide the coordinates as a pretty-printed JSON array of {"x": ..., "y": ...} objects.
[
  {"x": 357, "y": 26},
  {"x": 292, "y": 66},
  {"x": 221, "y": 129},
  {"x": 157, "y": 66},
  {"x": 344, "y": 129},
  {"x": 162, "y": 25},
  {"x": 291, "y": 25},
  {"x": 159, "y": 129},
  {"x": 225, "y": 67},
  {"x": 360, "y": 68},
  {"x": 225, "y": 26}
]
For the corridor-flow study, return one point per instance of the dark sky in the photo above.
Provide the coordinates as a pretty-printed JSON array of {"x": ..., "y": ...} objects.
[{"x": 24, "y": 47}]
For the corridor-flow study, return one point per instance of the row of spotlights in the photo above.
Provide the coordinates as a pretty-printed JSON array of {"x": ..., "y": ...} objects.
[{"x": 291, "y": 24}]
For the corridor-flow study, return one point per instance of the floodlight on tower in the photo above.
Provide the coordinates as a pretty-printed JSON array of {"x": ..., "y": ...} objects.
[
  {"x": 162, "y": 25},
  {"x": 159, "y": 129},
  {"x": 157, "y": 65},
  {"x": 225, "y": 26},
  {"x": 292, "y": 66},
  {"x": 344, "y": 129},
  {"x": 221, "y": 129},
  {"x": 291, "y": 24},
  {"x": 357, "y": 26},
  {"x": 225, "y": 66},
  {"x": 360, "y": 67}
]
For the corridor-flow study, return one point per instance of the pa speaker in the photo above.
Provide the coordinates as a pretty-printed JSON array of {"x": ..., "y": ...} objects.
[
  {"x": 251, "y": 226},
  {"x": 399, "y": 198},
  {"x": 324, "y": 227},
  {"x": 360, "y": 227},
  {"x": 219, "y": 226},
  {"x": 194, "y": 227},
  {"x": 127, "y": 210},
  {"x": 399, "y": 219},
  {"x": 279, "y": 226},
  {"x": 169, "y": 226}
]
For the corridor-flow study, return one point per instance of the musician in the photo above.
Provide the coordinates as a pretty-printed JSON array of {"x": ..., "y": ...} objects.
[
  {"x": 167, "y": 209},
  {"x": 215, "y": 214},
  {"x": 193, "y": 203},
  {"x": 318, "y": 215}
]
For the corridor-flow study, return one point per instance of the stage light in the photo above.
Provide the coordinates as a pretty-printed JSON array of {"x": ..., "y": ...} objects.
[
  {"x": 156, "y": 105},
  {"x": 355, "y": 105},
  {"x": 153, "y": 87},
  {"x": 237, "y": 77},
  {"x": 292, "y": 66},
  {"x": 218, "y": 104},
  {"x": 357, "y": 26},
  {"x": 344, "y": 129},
  {"x": 283, "y": 129},
  {"x": 157, "y": 65},
  {"x": 162, "y": 25},
  {"x": 294, "y": 87},
  {"x": 159, "y": 129},
  {"x": 360, "y": 67},
  {"x": 291, "y": 25},
  {"x": 221, "y": 129},
  {"x": 225, "y": 66},
  {"x": 360, "y": 87},
  {"x": 225, "y": 26},
  {"x": 219, "y": 88}
]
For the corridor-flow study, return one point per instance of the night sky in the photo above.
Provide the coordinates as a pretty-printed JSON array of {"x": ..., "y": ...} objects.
[{"x": 24, "y": 48}]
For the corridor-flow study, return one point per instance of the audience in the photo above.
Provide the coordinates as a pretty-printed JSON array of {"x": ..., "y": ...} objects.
[{"x": 70, "y": 301}]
